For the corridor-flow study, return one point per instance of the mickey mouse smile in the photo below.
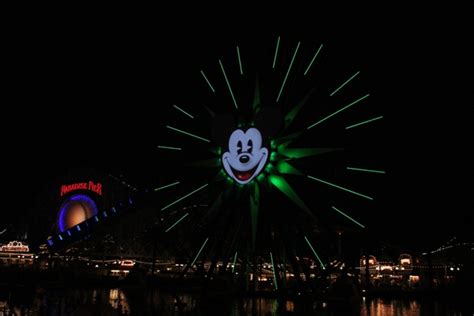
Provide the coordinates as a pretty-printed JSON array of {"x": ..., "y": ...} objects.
[{"x": 246, "y": 156}]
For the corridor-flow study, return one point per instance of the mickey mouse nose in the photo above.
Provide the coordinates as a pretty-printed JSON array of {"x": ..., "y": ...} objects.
[{"x": 244, "y": 159}]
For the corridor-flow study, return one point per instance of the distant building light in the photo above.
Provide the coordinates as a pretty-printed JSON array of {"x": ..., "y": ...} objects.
[
  {"x": 78, "y": 228},
  {"x": 452, "y": 269},
  {"x": 60, "y": 237},
  {"x": 15, "y": 246},
  {"x": 69, "y": 232}
]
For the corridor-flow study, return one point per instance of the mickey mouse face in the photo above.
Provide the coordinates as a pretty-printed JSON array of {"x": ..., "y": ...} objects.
[{"x": 246, "y": 156}]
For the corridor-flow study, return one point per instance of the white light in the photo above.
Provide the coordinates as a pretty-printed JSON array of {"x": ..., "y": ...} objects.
[
  {"x": 452, "y": 269},
  {"x": 458, "y": 269},
  {"x": 96, "y": 265}
]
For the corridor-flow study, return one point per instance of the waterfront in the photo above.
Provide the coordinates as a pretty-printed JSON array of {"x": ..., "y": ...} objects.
[{"x": 116, "y": 301}]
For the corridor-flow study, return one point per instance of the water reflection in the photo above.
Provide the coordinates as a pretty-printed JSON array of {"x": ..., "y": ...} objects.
[{"x": 137, "y": 301}]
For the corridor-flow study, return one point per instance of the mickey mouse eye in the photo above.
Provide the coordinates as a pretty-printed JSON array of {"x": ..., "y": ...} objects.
[
  {"x": 250, "y": 145},
  {"x": 239, "y": 147}
]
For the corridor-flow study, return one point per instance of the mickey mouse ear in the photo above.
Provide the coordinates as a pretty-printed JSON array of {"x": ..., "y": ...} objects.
[
  {"x": 222, "y": 126},
  {"x": 268, "y": 121}
]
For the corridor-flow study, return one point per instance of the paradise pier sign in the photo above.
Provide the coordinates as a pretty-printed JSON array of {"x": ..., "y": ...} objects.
[{"x": 90, "y": 186}]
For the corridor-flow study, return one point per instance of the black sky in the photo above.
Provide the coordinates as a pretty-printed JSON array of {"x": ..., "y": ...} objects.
[{"x": 96, "y": 96}]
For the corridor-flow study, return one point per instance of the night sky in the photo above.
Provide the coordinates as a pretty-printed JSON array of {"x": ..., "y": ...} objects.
[{"x": 98, "y": 97}]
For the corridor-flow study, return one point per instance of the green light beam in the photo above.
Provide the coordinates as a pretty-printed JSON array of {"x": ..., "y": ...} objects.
[
  {"x": 312, "y": 60},
  {"x": 281, "y": 184},
  {"x": 285, "y": 168},
  {"x": 289, "y": 68},
  {"x": 183, "y": 111},
  {"x": 347, "y": 81},
  {"x": 240, "y": 62},
  {"x": 347, "y": 216},
  {"x": 210, "y": 85},
  {"x": 341, "y": 188},
  {"x": 182, "y": 198},
  {"x": 167, "y": 186},
  {"x": 340, "y": 110},
  {"x": 276, "y": 52},
  {"x": 365, "y": 122},
  {"x": 199, "y": 252},
  {"x": 274, "y": 274},
  {"x": 366, "y": 170},
  {"x": 315, "y": 253},
  {"x": 296, "y": 109},
  {"x": 254, "y": 207},
  {"x": 177, "y": 222},
  {"x": 297, "y": 153},
  {"x": 206, "y": 163},
  {"x": 170, "y": 148},
  {"x": 187, "y": 133},
  {"x": 235, "y": 260},
  {"x": 228, "y": 84}
]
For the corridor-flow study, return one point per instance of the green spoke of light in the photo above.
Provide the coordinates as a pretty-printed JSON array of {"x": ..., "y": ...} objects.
[
  {"x": 364, "y": 122},
  {"x": 276, "y": 52},
  {"x": 289, "y": 118},
  {"x": 199, "y": 252},
  {"x": 235, "y": 260},
  {"x": 338, "y": 111},
  {"x": 347, "y": 81},
  {"x": 187, "y": 195},
  {"x": 210, "y": 85},
  {"x": 177, "y": 222},
  {"x": 315, "y": 253},
  {"x": 366, "y": 170},
  {"x": 297, "y": 153},
  {"x": 169, "y": 147},
  {"x": 167, "y": 186},
  {"x": 206, "y": 163},
  {"x": 284, "y": 141},
  {"x": 228, "y": 84},
  {"x": 254, "y": 207},
  {"x": 288, "y": 71},
  {"x": 339, "y": 187},
  {"x": 274, "y": 272},
  {"x": 312, "y": 60},
  {"x": 348, "y": 217},
  {"x": 285, "y": 168},
  {"x": 187, "y": 133},
  {"x": 240, "y": 62},
  {"x": 281, "y": 184},
  {"x": 183, "y": 111},
  {"x": 256, "y": 97}
]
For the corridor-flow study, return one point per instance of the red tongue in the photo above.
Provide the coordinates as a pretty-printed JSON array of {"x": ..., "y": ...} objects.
[{"x": 244, "y": 176}]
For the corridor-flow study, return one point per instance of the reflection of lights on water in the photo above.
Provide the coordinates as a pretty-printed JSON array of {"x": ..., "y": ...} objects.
[{"x": 118, "y": 301}]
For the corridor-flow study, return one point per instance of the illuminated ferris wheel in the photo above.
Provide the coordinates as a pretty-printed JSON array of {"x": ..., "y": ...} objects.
[{"x": 267, "y": 148}]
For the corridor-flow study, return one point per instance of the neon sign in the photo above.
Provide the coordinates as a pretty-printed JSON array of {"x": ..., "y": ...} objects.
[
  {"x": 246, "y": 156},
  {"x": 91, "y": 186}
]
